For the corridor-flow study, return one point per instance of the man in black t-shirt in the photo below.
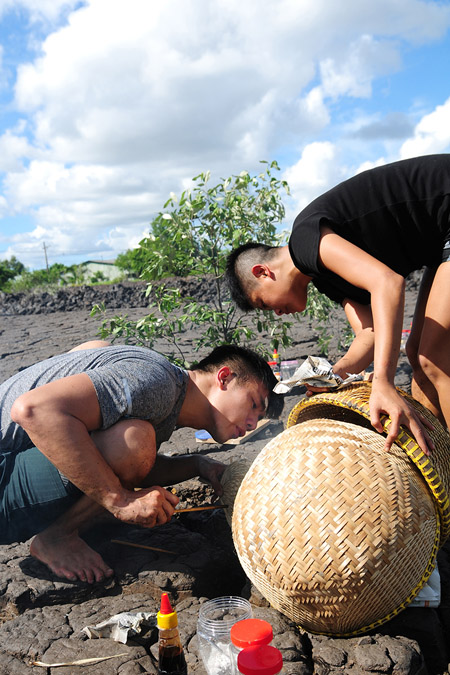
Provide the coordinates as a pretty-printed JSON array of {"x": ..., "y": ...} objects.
[{"x": 357, "y": 243}]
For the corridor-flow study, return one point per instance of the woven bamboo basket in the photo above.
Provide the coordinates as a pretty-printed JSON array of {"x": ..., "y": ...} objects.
[{"x": 334, "y": 531}]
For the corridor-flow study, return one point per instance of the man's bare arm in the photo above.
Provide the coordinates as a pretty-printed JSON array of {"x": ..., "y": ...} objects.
[
  {"x": 387, "y": 290},
  {"x": 360, "y": 353},
  {"x": 91, "y": 344},
  {"x": 58, "y": 418}
]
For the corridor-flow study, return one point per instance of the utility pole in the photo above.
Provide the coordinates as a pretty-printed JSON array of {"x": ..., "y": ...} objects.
[{"x": 45, "y": 252}]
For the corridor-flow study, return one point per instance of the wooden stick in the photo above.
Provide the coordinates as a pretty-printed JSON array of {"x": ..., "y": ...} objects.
[
  {"x": 202, "y": 508},
  {"x": 80, "y": 662},
  {"x": 163, "y": 550},
  {"x": 149, "y": 548}
]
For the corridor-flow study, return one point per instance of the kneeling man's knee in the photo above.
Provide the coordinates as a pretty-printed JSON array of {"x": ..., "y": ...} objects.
[
  {"x": 129, "y": 447},
  {"x": 138, "y": 435}
]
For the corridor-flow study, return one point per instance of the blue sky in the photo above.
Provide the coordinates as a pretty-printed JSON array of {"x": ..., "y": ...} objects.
[{"x": 107, "y": 106}]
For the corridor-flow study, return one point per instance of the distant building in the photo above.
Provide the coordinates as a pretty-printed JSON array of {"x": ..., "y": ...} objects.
[{"x": 107, "y": 268}]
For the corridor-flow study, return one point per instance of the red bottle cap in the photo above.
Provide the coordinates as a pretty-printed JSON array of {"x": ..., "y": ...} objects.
[
  {"x": 166, "y": 607},
  {"x": 265, "y": 660},
  {"x": 251, "y": 632}
]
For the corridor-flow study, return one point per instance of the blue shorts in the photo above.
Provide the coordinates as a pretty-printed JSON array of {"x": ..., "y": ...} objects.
[{"x": 32, "y": 495}]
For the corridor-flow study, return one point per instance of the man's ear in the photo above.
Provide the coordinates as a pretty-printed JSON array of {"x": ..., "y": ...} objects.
[
  {"x": 223, "y": 376},
  {"x": 259, "y": 270}
]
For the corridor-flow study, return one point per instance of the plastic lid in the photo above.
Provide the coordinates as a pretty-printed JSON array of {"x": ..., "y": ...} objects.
[
  {"x": 265, "y": 660},
  {"x": 166, "y": 617},
  {"x": 251, "y": 632}
]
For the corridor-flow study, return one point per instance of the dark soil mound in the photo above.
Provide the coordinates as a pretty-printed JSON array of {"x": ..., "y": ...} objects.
[{"x": 114, "y": 296}]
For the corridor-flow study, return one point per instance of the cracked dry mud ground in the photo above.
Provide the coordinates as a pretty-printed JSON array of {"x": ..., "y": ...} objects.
[{"x": 41, "y": 617}]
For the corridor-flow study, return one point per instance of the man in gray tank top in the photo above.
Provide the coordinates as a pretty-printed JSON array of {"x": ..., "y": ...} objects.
[{"x": 80, "y": 431}]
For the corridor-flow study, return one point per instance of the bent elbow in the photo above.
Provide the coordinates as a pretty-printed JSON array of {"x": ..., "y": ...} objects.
[
  {"x": 22, "y": 412},
  {"x": 399, "y": 280},
  {"x": 395, "y": 283}
]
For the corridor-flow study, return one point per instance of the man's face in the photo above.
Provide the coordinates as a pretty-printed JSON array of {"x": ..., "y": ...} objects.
[
  {"x": 237, "y": 406},
  {"x": 279, "y": 295}
]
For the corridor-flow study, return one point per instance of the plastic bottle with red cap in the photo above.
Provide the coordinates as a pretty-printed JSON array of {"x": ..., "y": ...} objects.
[
  {"x": 249, "y": 633},
  {"x": 171, "y": 659},
  {"x": 275, "y": 364},
  {"x": 260, "y": 660}
]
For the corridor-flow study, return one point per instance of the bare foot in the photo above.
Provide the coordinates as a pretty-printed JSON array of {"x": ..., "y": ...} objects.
[{"x": 70, "y": 557}]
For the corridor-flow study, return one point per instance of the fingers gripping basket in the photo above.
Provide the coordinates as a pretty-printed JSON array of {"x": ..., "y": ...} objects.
[{"x": 335, "y": 532}]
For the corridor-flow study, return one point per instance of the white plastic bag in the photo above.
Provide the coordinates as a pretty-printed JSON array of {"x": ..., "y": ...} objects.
[
  {"x": 317, "y": 372},
  {"x": 430, "y": 594}
]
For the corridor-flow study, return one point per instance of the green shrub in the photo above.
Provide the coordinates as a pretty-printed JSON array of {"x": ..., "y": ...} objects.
[{"x": 192, "y": 236}]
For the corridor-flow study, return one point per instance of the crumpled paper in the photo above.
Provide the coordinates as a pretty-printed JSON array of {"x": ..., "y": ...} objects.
[
  {"x": 316, "y": 372},
  {"x": 121, "y": 626}
]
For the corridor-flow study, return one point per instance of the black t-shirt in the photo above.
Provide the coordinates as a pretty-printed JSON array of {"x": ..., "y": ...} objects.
[{"x": 398, "y": 213}]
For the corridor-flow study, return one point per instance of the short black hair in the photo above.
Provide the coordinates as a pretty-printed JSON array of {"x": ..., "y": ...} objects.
[
  {"x": 246, "y": 364},
  {"x": 239, "y": 281}
]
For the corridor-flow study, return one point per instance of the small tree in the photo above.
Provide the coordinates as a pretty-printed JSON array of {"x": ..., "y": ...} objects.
[
  {"x": 9, "y": 269},
  {"x": 97, "y": 278},
  {"x": 56, "y": 275},
  {"x": 193, "y": 235},
  {"x": 134, "y": 261},
  {"x": 75, "y": 274}
]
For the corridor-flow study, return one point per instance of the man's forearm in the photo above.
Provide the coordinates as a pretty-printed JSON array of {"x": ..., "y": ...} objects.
[
  {"x": 388, "y": 309},
  {"x": 358, "y": 356},
  {"x": 172, "y": 470}
]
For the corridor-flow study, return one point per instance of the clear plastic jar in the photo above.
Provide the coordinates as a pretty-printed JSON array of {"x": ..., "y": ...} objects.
[
  {"x": 265, "y": 660},
  {"x": 248, "y": 633},
  {"x": 215, "y": 619},
  {"x": 288, "y": 368}
]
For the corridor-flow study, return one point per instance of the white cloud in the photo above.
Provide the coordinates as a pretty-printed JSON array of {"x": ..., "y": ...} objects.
[
  {"x": 14, "y": 148},
  {"x": 81, "y": 197},
  {"x": 170, "y": 77},
  {"x": 28, "y": 247},
  {"x": 352, "y": 75},
  {"x": 121, "y": 238},
  {"x": 127, "y": 101},
  {"x": 431, "y": 135},
  {"x": 365, "y": 166},
  {"x": 3, "y": 206},
  {"x": 59, "y": 242},
  {"x": 393, "y": 125},
  {"x": 318, "y": 169},
  {"x": 321, "y": 167}
]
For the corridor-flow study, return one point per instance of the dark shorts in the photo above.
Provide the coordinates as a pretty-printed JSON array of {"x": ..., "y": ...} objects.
[{"x": 32, "y": 495}]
